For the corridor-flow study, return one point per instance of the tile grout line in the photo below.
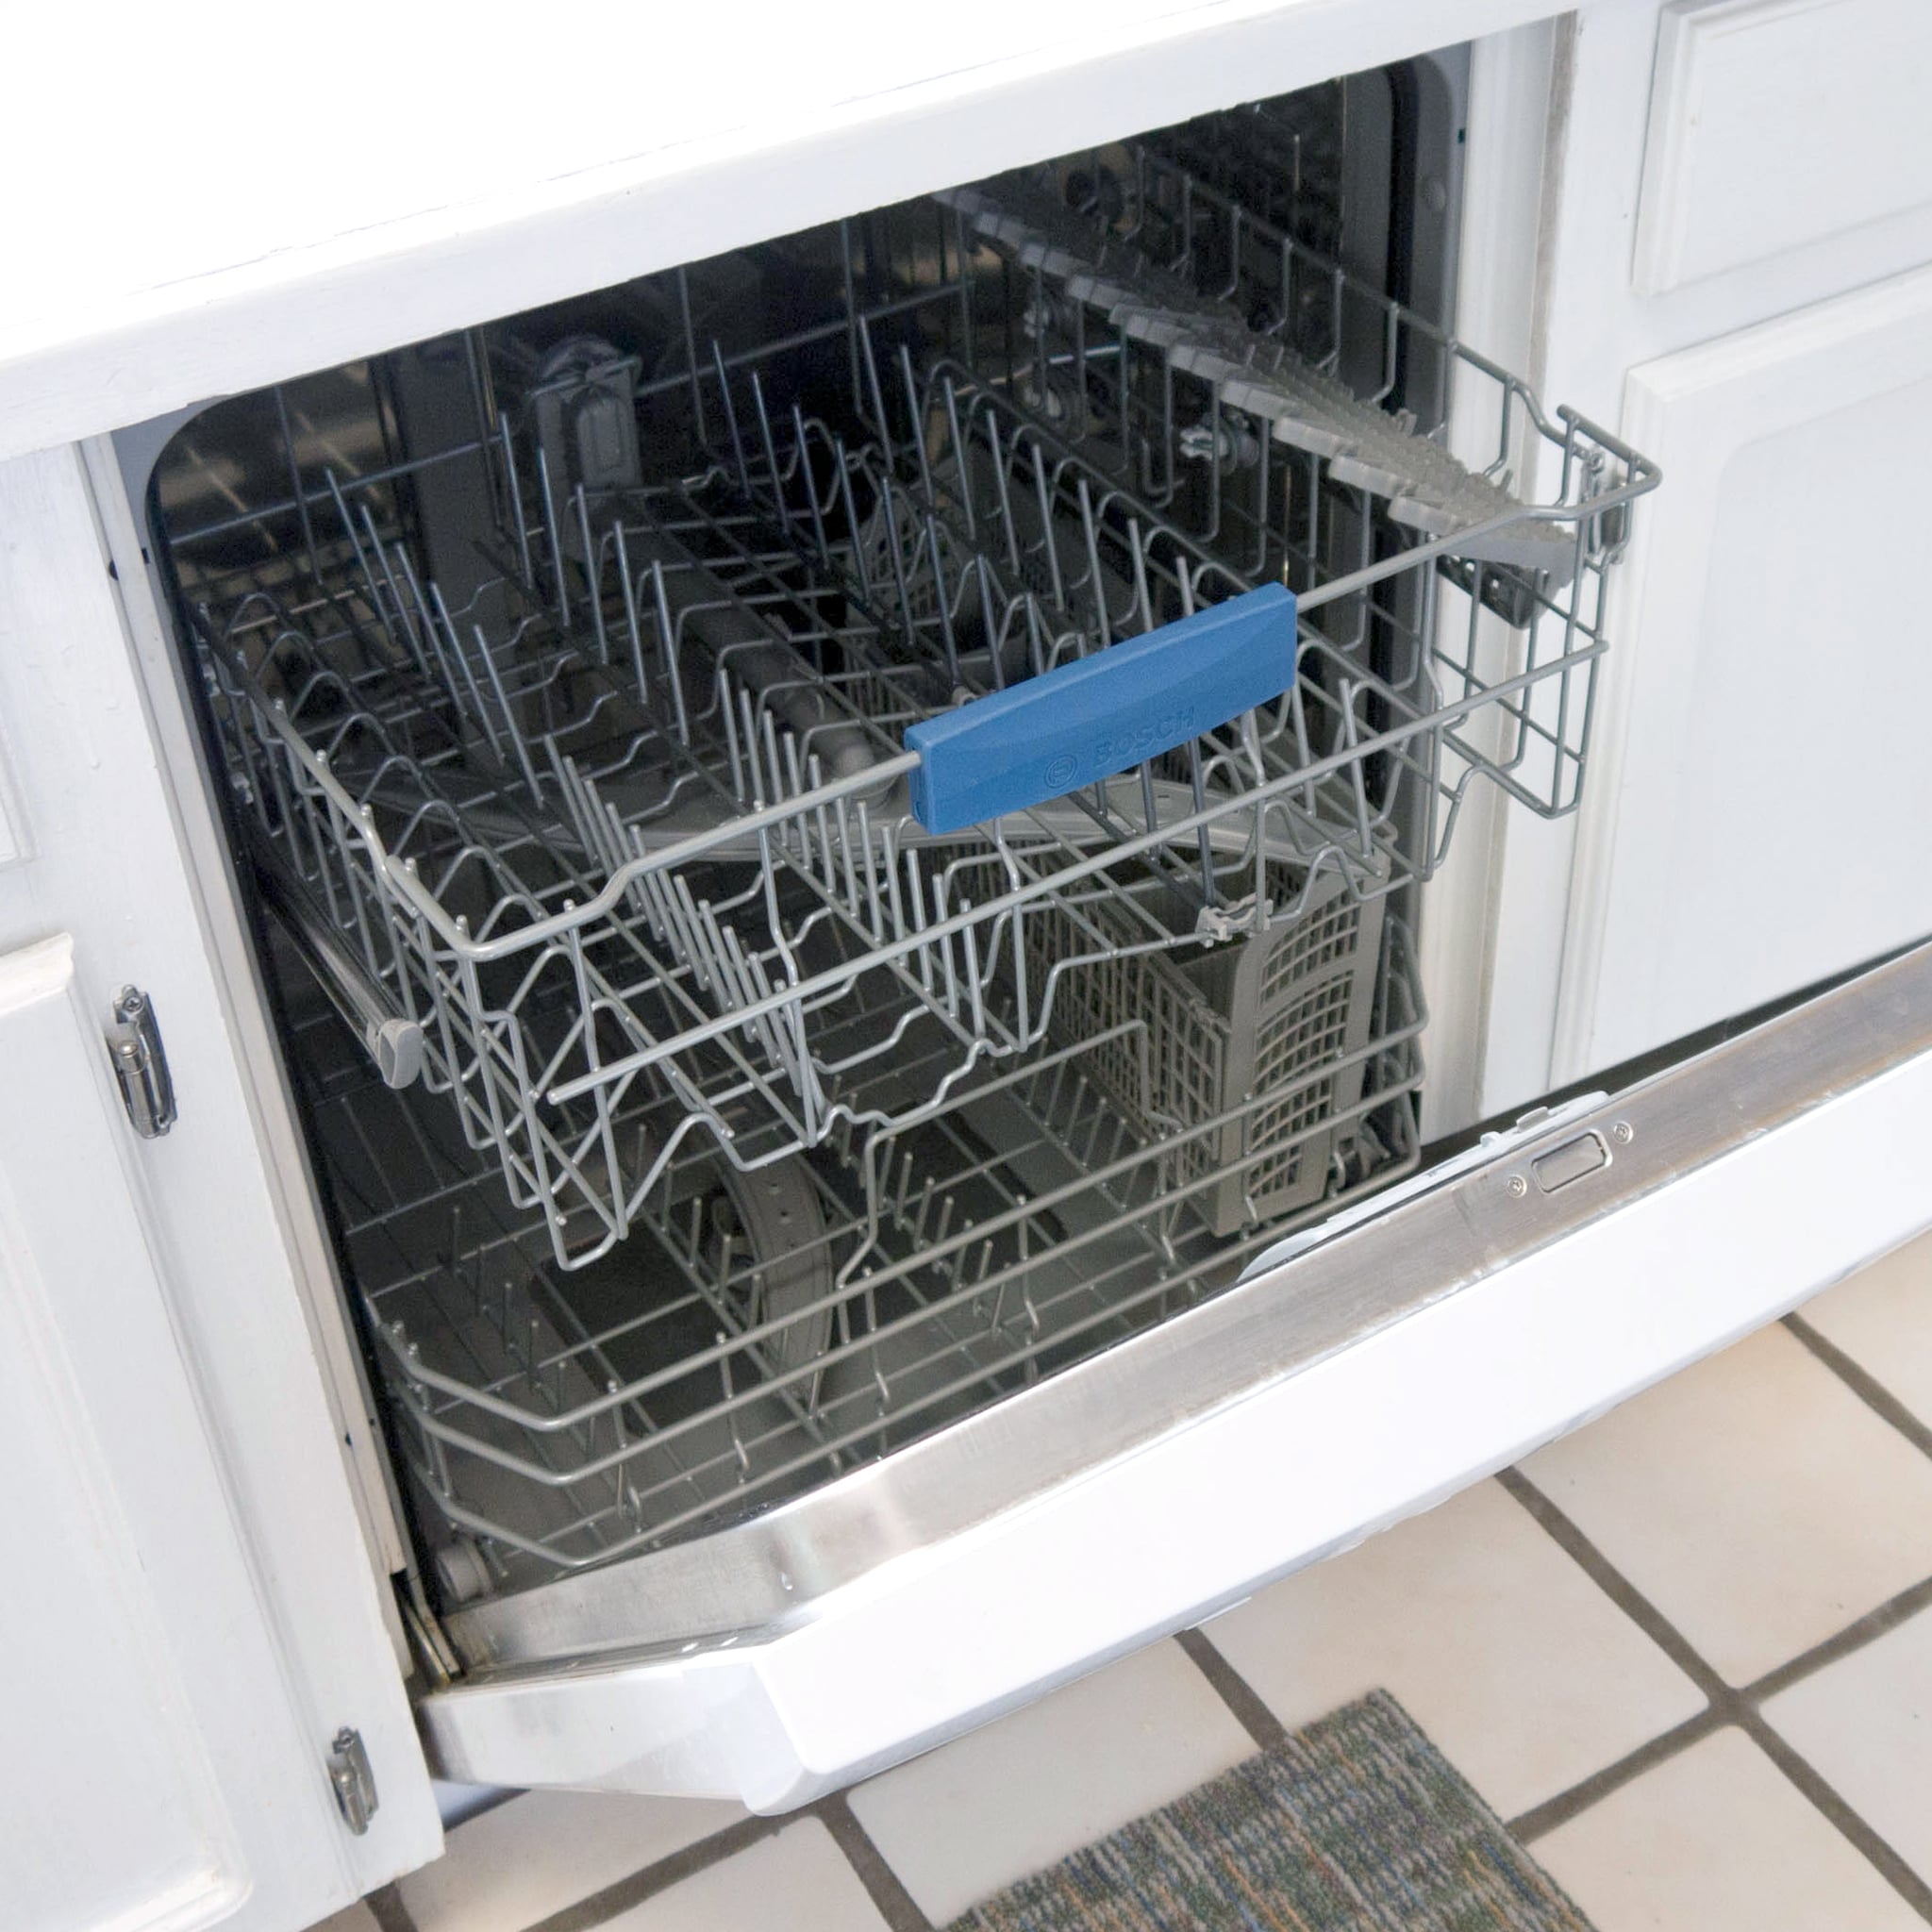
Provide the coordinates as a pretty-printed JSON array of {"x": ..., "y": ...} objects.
[
  {"x": 1825, "y": 1797},
  {"x": 896, "y": 1905},
  {"x": 1575, "y": 1799},
  {"x": 1863, "y": 1384},
  {"x": 649, "y": 1880},
  {"x": 1854, "y": 1637},
  {"x": 1246, "y": 1704},
  {"x": 1726, "y": 1706},
  {"x": 1566, "y": 1803},
  {"x": 1613, "y": 1583}
]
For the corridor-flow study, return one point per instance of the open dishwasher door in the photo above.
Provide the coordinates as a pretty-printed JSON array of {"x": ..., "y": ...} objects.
[
  {"x": 835, "y": 836},
  {"x": 1357, "y": 1374}
]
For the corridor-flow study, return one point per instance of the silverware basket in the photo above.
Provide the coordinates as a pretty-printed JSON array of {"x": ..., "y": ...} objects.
[{"x": 1232, "y": 1033}]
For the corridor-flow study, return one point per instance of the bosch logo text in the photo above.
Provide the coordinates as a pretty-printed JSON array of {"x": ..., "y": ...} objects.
[{"x": 1117, "y": 750}]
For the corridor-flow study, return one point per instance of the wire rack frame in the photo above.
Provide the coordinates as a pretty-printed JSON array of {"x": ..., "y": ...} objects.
[
  {"x": 689, "y": 1008},
  {"x": 948, "y": 1275},
  {"x": 763, "y": 1087}
]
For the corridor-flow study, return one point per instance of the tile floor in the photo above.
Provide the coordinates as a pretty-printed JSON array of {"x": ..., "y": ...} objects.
[{"x": 1687, "y": 1652}]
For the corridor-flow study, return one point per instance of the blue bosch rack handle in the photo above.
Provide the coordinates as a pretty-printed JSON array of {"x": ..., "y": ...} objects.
[{"x": 1083, "y": 722}]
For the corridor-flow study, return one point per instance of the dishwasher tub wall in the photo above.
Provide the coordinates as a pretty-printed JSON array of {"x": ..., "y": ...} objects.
[{"x": 720, "y": 1248}]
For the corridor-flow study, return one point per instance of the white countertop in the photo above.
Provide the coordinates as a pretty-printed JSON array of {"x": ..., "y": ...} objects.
[{"x": 206, "y": 197}]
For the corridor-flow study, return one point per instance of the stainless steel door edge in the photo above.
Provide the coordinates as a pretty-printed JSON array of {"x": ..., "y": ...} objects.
[
  {"x": 1457, "y": 1227},
  {"x": 1155, "y": 1486}
]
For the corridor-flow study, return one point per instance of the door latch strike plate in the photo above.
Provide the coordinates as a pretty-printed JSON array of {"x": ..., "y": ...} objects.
[
  {"x": 353, "y": 1780},
  {"x": 141, "y": 1064},
  {"x": 1574, "y": 1160}
]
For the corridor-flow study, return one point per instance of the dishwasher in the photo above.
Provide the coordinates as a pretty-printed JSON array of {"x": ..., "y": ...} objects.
[{"x": 835, "y": 838}]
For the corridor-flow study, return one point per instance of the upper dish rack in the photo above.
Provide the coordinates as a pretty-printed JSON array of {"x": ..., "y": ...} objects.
[{"x": 625, "y": 833}]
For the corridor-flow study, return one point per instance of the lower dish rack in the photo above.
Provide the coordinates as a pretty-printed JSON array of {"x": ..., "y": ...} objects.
[{"x": 760, "y": 1333}]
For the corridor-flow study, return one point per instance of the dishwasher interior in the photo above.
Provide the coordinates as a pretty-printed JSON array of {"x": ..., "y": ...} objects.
[{"x": 696, "y": 1118}]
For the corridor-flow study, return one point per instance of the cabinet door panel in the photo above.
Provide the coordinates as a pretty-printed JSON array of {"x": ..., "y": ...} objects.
[
  {"x": 1759, "y": 821},
  {"x": 111, "y": 1813},
  {"x": 1777, "y": 123},
  {"x": 161, "y": 1270}
]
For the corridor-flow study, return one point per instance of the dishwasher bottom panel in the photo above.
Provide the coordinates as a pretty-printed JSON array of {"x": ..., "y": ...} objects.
[{"x": 1507, "y": 1298}]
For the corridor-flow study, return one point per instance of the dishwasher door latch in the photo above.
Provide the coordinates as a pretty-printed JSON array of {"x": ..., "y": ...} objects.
[
  {"x": 1588, "y": 1154},
  {"x": 141, "y": 1064},
  {"x": 353, "y": 1780}
]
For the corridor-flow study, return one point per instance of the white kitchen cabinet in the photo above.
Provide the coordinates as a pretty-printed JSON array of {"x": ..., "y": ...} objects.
[
  {"x": 112, "y": 1801},
  {"x": 1725, "y": 183},
  {"x": 201, "y": 1610},
  {"x": 1721, "y": 871},
  {"x": 1763, "y": 783},
  {"x": 1700, "y": 229},
  {"x": 682, "y": 132},
  {"x": 163, "y": 1769}
]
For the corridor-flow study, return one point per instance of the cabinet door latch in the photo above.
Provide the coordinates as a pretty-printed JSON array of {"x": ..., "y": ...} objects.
[
  {"x": 141, "y": 1064},
  {"x": 354, "y": 1782}
]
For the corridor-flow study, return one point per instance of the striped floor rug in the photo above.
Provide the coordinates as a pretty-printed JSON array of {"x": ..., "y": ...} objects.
[{"x": 1356, "y": 1823}]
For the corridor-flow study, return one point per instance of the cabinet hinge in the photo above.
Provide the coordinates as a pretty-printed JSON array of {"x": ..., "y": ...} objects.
[
  {"x": 354, "y": 1782},
  {"x": 141, "y": 1064}
]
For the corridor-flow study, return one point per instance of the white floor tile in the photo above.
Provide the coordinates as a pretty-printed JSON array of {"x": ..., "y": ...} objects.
[
  {"x": 797, "y": 1881},
  {"x": 1882, "y": 1318},
  {"x": 538, "y": 1853},
  {"x": 1865, "y": 1724},
  {"x": 1717, "y": 1839},
  {"x": 354, "y": 1918},
  {"x": 1754, "y": 1499},
  {"x": 973, "y": 1816},
  {"x": 1521, "y": 1670}
]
